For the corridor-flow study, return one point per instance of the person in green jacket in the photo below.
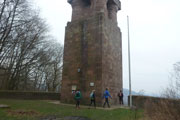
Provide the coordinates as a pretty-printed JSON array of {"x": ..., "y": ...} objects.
[{"x": 78, "y": 97}]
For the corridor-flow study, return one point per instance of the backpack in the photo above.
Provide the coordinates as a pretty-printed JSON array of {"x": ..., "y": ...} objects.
[
  {"x": 91, "y": 95},
  {"x": 78, "y": 94}
]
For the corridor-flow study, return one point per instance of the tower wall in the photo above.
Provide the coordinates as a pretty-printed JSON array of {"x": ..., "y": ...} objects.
[
  {"x": 92, "y": 55},
  {"x": 112, "y": 59}
]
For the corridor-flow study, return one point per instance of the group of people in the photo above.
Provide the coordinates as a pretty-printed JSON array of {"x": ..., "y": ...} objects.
[{"x": 106, "y": 96}]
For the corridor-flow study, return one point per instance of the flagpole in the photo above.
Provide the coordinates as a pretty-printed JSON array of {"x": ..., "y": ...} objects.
[{"x": 129, "y": 60}]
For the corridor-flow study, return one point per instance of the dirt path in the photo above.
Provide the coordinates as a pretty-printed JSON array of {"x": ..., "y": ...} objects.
[{"x": 83, "y": 106}]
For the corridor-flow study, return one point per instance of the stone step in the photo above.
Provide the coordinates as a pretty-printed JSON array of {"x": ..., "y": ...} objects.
[{"x": 4, "y": 106}]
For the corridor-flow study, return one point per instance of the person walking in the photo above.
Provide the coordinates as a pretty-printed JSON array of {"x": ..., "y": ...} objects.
[
  {"x": 78, "y": 97},
  {"x": 120, "y": 95},
  {"x": 106, "y": 95},
  {"x": 93, "y": 99}
]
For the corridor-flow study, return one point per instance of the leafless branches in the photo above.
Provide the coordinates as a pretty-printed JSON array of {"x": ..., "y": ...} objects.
[
  {"x": 29, "y": 61},
  {"x": 169, "y": 107}
]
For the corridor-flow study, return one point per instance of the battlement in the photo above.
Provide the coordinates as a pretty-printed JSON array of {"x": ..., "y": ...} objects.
[{"x": 83, "y": 9}]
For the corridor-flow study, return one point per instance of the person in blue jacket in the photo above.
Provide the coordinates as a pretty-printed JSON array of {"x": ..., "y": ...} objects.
[{"x": 106, "y": 95}]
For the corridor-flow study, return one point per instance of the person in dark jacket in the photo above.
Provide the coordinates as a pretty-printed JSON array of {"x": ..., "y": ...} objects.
[
  {"x": 106, "y": 95},
  {"x": 93, "y": 99},
  {"x": 78, "y": 97},
  {"x": 120, "y": 95}
]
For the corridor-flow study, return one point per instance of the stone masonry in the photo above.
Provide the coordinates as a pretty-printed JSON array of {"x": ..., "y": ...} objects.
[{"x": 92, "y": 51}]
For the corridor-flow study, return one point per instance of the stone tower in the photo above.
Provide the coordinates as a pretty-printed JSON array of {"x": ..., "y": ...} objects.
[{"x": 92, "y": 51}]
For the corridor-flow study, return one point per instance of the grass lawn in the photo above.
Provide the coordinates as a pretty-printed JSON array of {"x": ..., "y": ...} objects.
[{"x": 36, "y": 109}]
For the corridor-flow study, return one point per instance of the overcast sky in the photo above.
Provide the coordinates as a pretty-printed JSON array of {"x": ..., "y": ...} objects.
[{"x": 154, "y": 36}]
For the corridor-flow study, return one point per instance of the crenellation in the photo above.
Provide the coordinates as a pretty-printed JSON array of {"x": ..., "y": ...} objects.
[
  {"x": 112, "y": 11},
  {"x": 82, "y": 9},
  {"x": 117, "y": 2}
]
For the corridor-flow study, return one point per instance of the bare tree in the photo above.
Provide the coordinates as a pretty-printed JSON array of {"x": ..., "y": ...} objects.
[
  {"x": 51, "y": 66},
  {"x": 173, "y": 90},
  {"x": 56, "y": 65},
  {"x": 21, "y": 31},
  {"x": 30, "y": 58},
  {"x": 169, "y": 107}
]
